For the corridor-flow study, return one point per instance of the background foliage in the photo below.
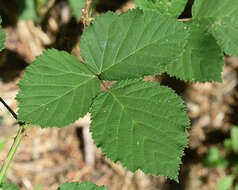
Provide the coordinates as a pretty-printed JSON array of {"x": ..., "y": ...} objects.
[{"x": 208, "y": 58}]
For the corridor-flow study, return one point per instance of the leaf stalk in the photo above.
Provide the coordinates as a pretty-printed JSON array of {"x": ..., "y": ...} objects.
[
  {"x": 11, "y": 153},
  {"x": 17, "y": 140}
]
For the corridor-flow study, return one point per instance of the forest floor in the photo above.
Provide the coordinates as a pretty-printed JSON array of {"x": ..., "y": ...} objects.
[{"x": 48, "y": 157}]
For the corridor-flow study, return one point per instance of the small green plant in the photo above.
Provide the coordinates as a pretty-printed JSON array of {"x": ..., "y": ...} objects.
[
  {"x": 2, "y": 36},
  {"x": 227, "y": 159},
  {"x": 141, "y": 124},
  {"x": 31, "y": 10}
]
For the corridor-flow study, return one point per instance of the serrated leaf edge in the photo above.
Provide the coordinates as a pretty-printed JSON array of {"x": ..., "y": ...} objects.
[{"x": 124, "y": 166}]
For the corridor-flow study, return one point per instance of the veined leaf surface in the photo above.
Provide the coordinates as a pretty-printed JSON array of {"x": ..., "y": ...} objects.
[
  {"x": 2, "y": 36},
  {"x": 222, "y": 20},
  {"x": 142, "y": 125},
  {"x": 202, "y": 60},
  {"x": 172, "y": 8},
  {"x": 82, "y": 186},
  {"x": 55, "y": 90},
  {"x": 132, "y": 45}
]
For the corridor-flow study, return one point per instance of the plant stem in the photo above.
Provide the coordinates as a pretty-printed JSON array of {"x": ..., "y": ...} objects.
[
  {"x": 104, "y": 85},
  {"x": 185, "y": 19},
  {"x": 20, "y": 134},
  {"x": 12, "y": 151},
  {"x": 8, "y": 108},
  {"x": 88, "y": 2},
  {"x": 86, "y": 20},
  {"x": 11, "y": 111}
]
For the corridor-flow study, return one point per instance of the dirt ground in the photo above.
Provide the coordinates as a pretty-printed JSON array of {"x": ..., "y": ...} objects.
[{"x": 49, "y": 157}]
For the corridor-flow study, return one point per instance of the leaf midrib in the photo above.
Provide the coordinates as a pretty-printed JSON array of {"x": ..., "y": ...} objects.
[
  {"x": 137, "y": 49},
  {"x": 122, "y": 106},
  {"x": 131, "y": 54}
]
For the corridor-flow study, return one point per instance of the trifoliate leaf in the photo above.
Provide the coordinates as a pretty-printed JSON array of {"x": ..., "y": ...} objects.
[
  {"x": 2, "y": 36},
  {"x": 172, "y": 8},
  {"x": 221, "y": 18},
  {"x": 142, "y": 125},
  {"x": 76, "y": 6},
  {"x": 132, "y": 45},
  {"x": 202, "y": 60},
  {"x": 55, "y": 90},
  {"x": 5, "y": 186},
  {"x": 82, "y": 186}
]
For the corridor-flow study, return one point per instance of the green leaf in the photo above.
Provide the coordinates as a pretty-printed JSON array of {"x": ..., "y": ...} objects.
[
  {"x": 225, "y": 183},
  {"x": 202, "y": 60},
  {"x": 213, "y": 157},
  {"x": 82, "y": 186},
  {"x": 228, "y": 144},
  {"x": 2, "y": 36},
  {"x": 9, "y": 187},
  {"x": 236, "y": 187},
  {"x": 56, "y": 90},
  {"x": 172, "y": 8},
  {"x": 27, "y": 9},
  {"x": 142, "y": 125},
  {"x": 76, "y": 6},
  {"x": 234, "y": 138},
  {"x": 221, "y": 18},
  {"x": 132, "y": 45}
]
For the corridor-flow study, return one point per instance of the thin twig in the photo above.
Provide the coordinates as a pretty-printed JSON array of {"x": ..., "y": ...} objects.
[
  {"x": 8, "y": 108},
  {"x": 11, "y": 111},
  {"x": 88, "y": 147},
  {"x": 86, "y": 19}
]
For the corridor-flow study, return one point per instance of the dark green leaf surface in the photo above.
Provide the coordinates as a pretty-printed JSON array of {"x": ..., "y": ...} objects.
[
  {"x": 172, "y": 8},
  {"x": 142, "y": 125},
  {"x": 82, "y": 186},
  {"x": 221, "y": 17},
  {"x": 76, "y": 6},
  {"x": 56, "y": 90},
  {"x": 9, "y": 187},
  {"x": 132, "y": 45},
  {"x": 202, "y": 60},
  {"x": 2, "y": 36}
]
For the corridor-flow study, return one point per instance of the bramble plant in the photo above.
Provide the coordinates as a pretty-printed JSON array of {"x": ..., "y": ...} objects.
[
  {"x": 30, "y": 10},
  {"x": 35, "y": 9},
  {"x": 226, "y": 159},
  {"x": 141, "y": 124}
]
